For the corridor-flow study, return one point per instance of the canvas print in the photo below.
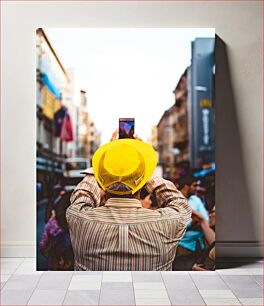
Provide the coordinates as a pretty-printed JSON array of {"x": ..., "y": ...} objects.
[{"x": 125, "y": 149}]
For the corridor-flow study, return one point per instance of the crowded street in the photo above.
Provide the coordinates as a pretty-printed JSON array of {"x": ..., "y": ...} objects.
[{"x": 69, "y": 135}]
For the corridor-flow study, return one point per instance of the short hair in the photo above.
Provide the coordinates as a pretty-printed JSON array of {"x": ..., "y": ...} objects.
[
  {"x": 186, "y": 180},
  {"x": 120, "y": 187}
]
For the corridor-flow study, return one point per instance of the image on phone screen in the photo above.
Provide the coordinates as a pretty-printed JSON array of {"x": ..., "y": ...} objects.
[{"x": 126, "y": 128}]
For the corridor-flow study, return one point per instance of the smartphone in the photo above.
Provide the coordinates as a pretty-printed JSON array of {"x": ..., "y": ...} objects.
[{"x": 126, "y": 127}]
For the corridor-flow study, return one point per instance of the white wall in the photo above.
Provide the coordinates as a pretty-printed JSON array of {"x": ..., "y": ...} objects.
[{"x": 238, "y": 24}]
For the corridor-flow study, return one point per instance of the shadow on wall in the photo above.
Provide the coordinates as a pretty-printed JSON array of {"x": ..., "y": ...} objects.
[{"x": 235, "y": 220}]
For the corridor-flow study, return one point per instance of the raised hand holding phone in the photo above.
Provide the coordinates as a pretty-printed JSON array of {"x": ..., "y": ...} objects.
[{"x": 126, "y": 128}]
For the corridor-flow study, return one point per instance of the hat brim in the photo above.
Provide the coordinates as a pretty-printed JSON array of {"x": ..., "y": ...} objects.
[{"x": 145, "y": 150}]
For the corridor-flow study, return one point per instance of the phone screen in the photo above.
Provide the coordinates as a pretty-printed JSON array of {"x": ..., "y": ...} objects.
[{"x": 126, "y": 127}]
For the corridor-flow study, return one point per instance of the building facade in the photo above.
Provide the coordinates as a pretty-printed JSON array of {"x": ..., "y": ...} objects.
[
  {"x": 166, "y": 137},
  {"x": 56, "y": 113},
  {"x": 186, "y": 129},
  {"x": 88, "y": 135},
  {"x": 153, "y": 139},
  {"x": 201, "y": 102}
]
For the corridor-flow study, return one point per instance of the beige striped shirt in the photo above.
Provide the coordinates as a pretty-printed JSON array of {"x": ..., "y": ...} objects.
[{"x": 122, "y": 235}]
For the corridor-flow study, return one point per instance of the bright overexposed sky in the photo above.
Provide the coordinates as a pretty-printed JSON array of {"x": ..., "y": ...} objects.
[{"x": 126, "y": 72}]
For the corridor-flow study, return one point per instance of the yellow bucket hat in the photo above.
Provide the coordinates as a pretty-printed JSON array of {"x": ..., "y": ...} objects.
[{"x": 127, "y": 161}]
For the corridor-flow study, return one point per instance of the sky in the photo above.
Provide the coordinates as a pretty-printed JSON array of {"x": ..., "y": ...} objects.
[{"x": 126, "y": 72}]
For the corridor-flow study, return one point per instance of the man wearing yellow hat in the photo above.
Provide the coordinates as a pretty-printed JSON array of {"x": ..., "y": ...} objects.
[{"x": 122, "y": 235}]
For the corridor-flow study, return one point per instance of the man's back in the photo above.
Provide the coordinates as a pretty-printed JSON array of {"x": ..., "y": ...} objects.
[{"x": 122, "y": 235}]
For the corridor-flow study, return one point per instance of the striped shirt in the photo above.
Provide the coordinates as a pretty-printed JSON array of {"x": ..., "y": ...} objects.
[{"x": 122, "y": 235}]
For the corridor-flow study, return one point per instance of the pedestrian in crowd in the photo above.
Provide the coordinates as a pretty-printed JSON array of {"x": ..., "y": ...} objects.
[
  {"x": 209, "y": 197},
  {"x": 207, "y": 259},
  {"x": 212, "y": 218},
  {"x": 201, "y": 191},
  {"x": 122, "y": 234},
  {"x": 57, "y": 194},
  {"x": 55, "y": 243},
  {"x": 191, "y": 245}
]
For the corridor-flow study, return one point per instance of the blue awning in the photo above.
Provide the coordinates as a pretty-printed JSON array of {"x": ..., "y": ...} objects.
[
  {"x": 51, "y": 87},
  {"x": 204, "y": 172}
]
